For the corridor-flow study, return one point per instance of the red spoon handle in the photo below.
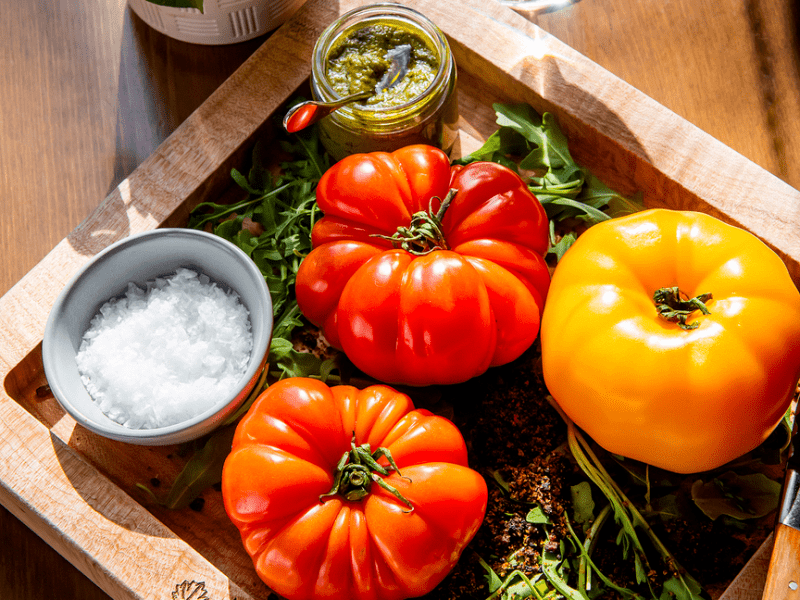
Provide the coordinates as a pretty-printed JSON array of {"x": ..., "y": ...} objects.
[{"x": 301, "y": 117}]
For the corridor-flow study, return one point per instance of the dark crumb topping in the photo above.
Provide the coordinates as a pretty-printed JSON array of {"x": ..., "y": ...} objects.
[{"x": 517, "y": 441}]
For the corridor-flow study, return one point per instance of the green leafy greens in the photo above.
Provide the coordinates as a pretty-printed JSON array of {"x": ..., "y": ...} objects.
[
  {"x": 272, "y": 224},
  {"x": 526, "y": 141},
  {"x": 574, "y": 199},
  {"x": 271, "y": 220}
]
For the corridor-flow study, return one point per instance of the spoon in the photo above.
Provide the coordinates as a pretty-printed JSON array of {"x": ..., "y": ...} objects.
[{"x": 309, "y": 112}]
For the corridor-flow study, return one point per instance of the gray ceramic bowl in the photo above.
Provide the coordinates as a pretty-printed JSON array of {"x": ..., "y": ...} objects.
[{"x": 141, "y": 258}]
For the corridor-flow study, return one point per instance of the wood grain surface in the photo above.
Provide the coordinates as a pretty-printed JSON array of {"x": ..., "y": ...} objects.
[
  {"x": 88, "y": 92},
  {"x": 784, "y": 576}
]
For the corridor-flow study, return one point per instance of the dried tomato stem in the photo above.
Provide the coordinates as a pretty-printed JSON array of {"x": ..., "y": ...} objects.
[
  {"x": 424, "y": 233},
  {"x": 358, "y": 469},
  {"x": 675, "y": 306}
]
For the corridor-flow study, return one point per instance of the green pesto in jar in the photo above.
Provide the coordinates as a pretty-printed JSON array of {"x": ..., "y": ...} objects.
[{"x": 358, "y": 61}]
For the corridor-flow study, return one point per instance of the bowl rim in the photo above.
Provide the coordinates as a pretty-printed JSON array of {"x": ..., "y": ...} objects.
[{"x": 117, "y": 431}]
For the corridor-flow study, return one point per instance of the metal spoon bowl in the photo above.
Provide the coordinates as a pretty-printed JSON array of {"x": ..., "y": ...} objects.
[{"x": 307, "y": 113}]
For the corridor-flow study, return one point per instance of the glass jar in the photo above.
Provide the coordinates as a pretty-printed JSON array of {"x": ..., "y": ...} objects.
[{"x": 430, "y": 117}]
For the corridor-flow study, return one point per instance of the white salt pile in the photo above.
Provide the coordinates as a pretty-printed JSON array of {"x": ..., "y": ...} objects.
[{"x": 161, "y": 355}]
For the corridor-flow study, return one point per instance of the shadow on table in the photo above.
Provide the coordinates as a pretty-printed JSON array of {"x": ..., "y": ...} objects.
[{"x": 161, "y": 82}]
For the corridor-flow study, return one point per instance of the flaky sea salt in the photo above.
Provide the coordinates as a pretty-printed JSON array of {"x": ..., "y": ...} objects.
[{"x": 162, "y": 354}]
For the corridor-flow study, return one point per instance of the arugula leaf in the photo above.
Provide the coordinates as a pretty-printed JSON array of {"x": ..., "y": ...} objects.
[
  {"x": 554, "y": 568},
  {"x": 740, "y": 496},
  {"x": 292, "y": 363},
  {"x": 502, "y": 483},
  {"x": 665, "y": 507},
  {"x": 493, "y": 581},
  {"x": 517, "y": 586},
  {"x": 273, "y": 223},
  {"x": 626, "y": 515},
  {"x": 203, "y": 470},
  {"x": 537, "y": 516},
  {"x": 498, "y": 146},
  {"x": 529, "y": 142},
  {"x": 584, "y": 211},
  {"x": 559, "y": 246},
  {"x": 583, "y": 504},
  {"x": 676, "y": 589}
]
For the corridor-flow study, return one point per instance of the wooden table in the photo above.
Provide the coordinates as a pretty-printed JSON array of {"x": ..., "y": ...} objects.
[{"x": 88, "y": 91}]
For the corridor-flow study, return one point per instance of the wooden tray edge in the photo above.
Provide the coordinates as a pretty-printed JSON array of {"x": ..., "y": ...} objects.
[{"x": 153, "y": 193}]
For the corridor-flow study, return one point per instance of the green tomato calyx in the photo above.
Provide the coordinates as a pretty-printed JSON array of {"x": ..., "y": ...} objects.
[
  {"x": 358, "y": 469},
  {"x": 676, "y": 307},
  {"x": 424, "y": 233}
]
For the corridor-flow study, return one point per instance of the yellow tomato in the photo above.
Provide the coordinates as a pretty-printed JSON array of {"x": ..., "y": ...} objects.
[{"x": 684, "y": 397}]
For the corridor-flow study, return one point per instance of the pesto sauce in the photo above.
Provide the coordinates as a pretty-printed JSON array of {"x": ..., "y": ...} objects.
[{"x": 358, "y": 61}]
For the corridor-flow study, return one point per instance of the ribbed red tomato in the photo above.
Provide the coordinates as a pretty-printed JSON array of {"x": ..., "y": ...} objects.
[
  {"x": 422, "y": 273},
  {"x": 321, "y": 520}
]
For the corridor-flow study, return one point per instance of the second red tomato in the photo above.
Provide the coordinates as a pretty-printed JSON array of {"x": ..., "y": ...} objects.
[{"x": 422, "y": 273}]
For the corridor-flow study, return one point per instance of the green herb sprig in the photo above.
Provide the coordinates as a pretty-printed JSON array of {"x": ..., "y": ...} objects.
[
  {"x": 680, "y": 584},
  {"x": 529, "y": 142},
  {"x": 272, "y": 222}
]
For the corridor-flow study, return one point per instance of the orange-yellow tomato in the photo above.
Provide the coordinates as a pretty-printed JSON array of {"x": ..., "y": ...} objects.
[{"x": 680, "y": 398}]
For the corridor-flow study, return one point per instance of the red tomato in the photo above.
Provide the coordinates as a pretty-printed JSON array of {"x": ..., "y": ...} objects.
[
  {"x": 465, "y": 294},
  {"x": 360, "y": 542}
]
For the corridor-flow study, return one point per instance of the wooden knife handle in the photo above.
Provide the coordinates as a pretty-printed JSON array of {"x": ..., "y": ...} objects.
[{"x": 783, "y": 577}]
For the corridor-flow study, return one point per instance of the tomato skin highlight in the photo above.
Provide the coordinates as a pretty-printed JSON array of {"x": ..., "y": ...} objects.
[
  {"x": 404, "y": 326},
  {"x": 643, "y": 387},
  {"x": 283, "y": 458},
  {"x": 442, "y": 317}
]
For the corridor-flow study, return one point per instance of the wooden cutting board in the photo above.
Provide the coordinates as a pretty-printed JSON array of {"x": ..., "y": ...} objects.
[{"x": 78, "y": 491}]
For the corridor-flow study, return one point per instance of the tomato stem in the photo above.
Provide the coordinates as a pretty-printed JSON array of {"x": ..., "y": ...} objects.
[
  {"x": 424, "y": 233},
  {"x": 358, "y": 469},
  {"x": 676, "y": 306}
]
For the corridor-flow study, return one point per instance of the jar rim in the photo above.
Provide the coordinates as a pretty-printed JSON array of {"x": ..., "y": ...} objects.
[{"x": 387, "y": 116}]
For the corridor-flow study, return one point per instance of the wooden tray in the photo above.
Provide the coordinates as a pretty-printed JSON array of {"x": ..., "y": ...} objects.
[{"x": 77, "y": 491}]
